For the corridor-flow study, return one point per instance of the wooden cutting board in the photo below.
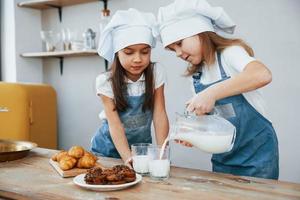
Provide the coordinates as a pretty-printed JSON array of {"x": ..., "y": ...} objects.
[{"x": 72, "y": 172}]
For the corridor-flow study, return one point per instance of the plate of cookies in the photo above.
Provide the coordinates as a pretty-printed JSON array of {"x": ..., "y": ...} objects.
[{"x": 108, "y": 179}]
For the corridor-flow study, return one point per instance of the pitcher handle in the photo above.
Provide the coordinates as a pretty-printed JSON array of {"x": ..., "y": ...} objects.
[{"x": 232, "y": 141}]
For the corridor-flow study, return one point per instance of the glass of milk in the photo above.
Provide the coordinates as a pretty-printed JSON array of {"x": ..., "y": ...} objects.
[
  {"x": 139, "y": 152},
  {"x": 159, "y": 162}
]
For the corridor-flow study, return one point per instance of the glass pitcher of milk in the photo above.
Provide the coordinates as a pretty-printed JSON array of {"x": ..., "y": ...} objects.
[{"x": 210, "y": 133}]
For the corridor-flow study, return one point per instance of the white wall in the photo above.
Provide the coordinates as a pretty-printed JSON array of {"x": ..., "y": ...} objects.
[
  {"x": 20, "y": 33},
  {"x": 270, "y": 27},
  {"x": 8, "y": 50},
  {"x": 27, "y": 34}
]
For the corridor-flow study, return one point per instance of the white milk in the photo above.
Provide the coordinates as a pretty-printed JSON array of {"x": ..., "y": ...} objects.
[
  {"x": 209, "y": 142},
  {"x": 140, "y": 164},
  {"x": 163, "y": 148},
  {"x": 159, "y": 168}
]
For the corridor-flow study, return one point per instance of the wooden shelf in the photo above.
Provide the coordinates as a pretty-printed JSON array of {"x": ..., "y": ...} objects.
[
  {"x": 58, "y": 4},
  {"x": 45, "y": 4},
  {"x": 60, "y": 54}
]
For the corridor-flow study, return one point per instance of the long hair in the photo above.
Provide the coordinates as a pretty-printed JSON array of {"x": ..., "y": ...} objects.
[
  {"x": 212, "y": 42},
  {"x": 119, "y": 86}
]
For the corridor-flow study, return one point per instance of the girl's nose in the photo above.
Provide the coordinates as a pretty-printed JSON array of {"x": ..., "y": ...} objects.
[
  {"x": 178, "y": 52},
  {"x": 137, "y": 58}
]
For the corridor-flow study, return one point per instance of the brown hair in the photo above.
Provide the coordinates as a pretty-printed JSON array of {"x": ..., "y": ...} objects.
[
  {"x": 212, "y": 42},
  {"x": 119, "y": 86}
]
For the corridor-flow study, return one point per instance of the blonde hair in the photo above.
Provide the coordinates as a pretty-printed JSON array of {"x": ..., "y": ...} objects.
[{"x": 212, "y": 43}]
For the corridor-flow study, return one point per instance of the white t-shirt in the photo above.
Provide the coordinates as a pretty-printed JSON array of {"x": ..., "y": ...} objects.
[
  {"x": 134, "y": 88},
  {"x": 234, "y": 59}
]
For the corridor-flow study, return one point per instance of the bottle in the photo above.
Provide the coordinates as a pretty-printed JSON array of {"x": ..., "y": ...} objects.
[{"x": 89, "y": 39}]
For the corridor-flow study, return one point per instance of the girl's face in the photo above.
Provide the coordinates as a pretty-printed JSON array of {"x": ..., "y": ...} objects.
[
  {"x": 135, "y": 59},
  {"x": 188, "y": 49}
]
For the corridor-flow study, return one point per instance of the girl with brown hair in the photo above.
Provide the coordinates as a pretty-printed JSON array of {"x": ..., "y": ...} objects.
[{"x": 132, "y": 92}]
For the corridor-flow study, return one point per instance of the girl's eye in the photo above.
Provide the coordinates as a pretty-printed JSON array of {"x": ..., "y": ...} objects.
[
  {"x": 178, "y": 43},
  {"x": 146, "y": 52},
  {"x": 128, "y": 52}
]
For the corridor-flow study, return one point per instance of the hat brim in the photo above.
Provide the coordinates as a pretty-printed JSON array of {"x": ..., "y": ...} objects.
[
  {"x": 131, "y": 36},
  {"x": 184, "y": 28}
]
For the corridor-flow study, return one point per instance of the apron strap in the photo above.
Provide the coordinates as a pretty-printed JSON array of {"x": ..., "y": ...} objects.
[{"x": 223, "y": 73}]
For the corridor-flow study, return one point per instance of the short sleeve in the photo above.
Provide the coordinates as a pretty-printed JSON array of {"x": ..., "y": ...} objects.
[
  {"x": 103, "y": 85},
  {"x": 237, "y": 57},
  {"x": 159, "y": 75}
]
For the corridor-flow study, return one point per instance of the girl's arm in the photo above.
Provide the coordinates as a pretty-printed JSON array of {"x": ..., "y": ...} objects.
[
  {"x": 160, "y": 118},
  {"x": 254, "y": 76},
  {"x": 116, "y": 128}
]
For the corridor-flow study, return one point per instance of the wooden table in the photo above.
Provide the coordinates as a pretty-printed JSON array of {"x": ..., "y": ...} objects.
[{"x": 33, "y": 178}]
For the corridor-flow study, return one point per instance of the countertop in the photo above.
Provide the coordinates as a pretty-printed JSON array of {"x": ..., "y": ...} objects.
[{"x": 34, "y": 178}]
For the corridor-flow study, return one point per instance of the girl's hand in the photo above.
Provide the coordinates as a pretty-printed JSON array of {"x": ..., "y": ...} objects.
[
  {"x": 184, "y": 143},
  {"x": 128, "y": 162},
  {"x": 202, "y": 103}
]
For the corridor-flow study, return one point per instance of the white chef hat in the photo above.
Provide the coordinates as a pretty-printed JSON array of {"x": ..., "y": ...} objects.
[
  {"x": 183, "y": 19},
  {"x": 127, "y": 27}
]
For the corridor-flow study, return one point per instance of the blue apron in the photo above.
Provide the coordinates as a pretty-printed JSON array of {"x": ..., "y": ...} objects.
[
  {"x": 255, "y": 151},
  {"x": 137, "y": 125}
]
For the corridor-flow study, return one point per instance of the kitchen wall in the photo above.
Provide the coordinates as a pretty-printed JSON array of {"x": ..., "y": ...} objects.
[
  {"x": 20, "y": 33},
  {"x": 270, "y": 27},
  {"x": 8, "y": 41}
]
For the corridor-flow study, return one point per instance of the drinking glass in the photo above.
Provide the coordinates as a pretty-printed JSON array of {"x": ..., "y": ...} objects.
[
  {"x": 51, "y": 38},
  {"x": 140, "y": 159},
  {"x": 159, "y": 162},
  {"x": 66, "y": 38}
]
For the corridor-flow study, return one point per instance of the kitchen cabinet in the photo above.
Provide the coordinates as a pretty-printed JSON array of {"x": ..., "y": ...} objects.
[{"x": 33, "y": 178}]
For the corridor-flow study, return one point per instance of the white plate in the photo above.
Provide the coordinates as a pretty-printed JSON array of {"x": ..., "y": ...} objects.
[{"x": 79, "y": 180}]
